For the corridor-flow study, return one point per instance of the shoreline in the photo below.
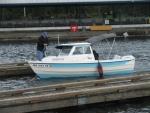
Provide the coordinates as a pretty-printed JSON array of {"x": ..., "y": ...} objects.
[{"x": 32, "y": 35}]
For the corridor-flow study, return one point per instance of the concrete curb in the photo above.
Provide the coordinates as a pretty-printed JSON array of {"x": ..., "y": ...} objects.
[{"x": 68, "y": 28}]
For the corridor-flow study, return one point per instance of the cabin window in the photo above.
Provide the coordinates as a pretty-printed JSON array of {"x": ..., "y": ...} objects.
[
  {"x": 65, "y": 51},
  {"x": 82, "y": 50},
  {"x": 78, "y": 51},
  {"x": 87, "y": 50}
]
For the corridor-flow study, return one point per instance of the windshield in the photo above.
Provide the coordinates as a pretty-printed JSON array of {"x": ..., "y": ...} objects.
[
  {"x": 82, "y": 50},
  {"x": 65, "y": 51}
]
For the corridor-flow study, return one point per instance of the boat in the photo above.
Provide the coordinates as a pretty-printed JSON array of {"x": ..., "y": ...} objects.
[{"x": 78, "y": 59}]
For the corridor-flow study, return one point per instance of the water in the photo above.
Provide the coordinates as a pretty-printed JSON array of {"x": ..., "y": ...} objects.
[
  {"x": 131, "y": 106},
  {"x": 18, "y": 52}
]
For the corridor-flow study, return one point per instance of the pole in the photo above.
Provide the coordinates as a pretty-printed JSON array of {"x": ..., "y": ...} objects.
[{"x": 24, "y": 10}]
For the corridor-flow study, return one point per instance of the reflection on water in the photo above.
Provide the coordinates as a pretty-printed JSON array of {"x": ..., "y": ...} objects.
[
  {"x": 17, "y": 82},
  {"x": 16, "y": 52}
]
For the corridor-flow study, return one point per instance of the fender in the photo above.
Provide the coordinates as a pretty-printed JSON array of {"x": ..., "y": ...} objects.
[{"x": 100, "y": 69}]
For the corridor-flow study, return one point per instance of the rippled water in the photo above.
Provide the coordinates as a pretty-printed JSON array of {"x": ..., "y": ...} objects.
[{"x": 16, "y": 52}]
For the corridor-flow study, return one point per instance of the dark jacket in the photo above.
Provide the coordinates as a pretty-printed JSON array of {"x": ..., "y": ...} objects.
[{"x": 41, "y": 42}]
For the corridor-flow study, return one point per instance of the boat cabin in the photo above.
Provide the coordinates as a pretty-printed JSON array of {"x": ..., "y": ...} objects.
[
  {"x": 74, "y": 52},
  {"x": 74, "y": 49}
]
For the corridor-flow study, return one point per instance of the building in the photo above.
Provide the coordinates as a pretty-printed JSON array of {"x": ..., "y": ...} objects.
[{"x": 33, "y": 13}]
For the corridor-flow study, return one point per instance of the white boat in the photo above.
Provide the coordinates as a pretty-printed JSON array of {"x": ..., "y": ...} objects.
[{"x": 77, "y": 60}]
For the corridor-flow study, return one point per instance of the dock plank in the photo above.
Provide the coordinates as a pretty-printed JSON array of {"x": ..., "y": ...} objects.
[
  {"x": 78, "y": 93},
  {"x": 70, "y": 94},
  {"x": 15, "y": 68},
  {"x": 79, "y": 84}
]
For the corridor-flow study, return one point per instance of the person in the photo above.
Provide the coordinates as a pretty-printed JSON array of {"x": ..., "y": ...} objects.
[{"x": 42, "y": 43}]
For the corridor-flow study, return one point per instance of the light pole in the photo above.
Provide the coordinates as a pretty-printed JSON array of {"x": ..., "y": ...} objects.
[{"x": 24, "y": 12}]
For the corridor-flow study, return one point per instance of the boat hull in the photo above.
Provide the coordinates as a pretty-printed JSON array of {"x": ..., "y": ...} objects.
[{"x": 82, "y": 69}]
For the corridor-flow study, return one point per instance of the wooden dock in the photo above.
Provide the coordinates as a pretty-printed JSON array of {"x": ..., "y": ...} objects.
[
  {"x": 74, "y": 94},
  {"x": 14, "y": 69}
]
